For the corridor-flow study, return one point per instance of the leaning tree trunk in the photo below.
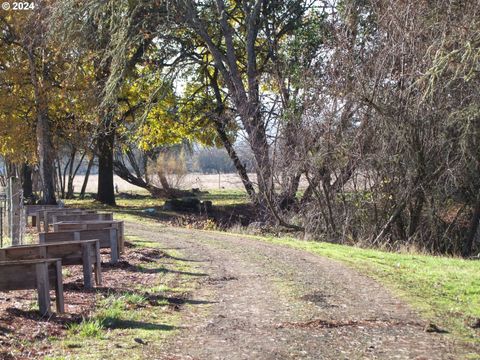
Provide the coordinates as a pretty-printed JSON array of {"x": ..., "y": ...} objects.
[
  {"x": 239, "y": 166},
  {"x": 136, "y": 179},
  {"x": 105, "y": 143}
]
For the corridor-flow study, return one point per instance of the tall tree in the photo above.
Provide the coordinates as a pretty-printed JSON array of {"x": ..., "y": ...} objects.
[
  {"x": 238, "y": 40},
  {"x": 26, "y": 34},
  {"x": 97, "y": 30}
]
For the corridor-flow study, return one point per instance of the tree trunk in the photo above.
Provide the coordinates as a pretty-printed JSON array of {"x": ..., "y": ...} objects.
[
  {"x": 288, "y": 197},
  {"x": 60, "y": 186},
  {"x": 473, "y": 229},
  {"x": 105, "y": 143},
  {"x": 220, "y": 123},
  {"x": 71, "y": 175},
  {"x": 257, "y": 138},
  {"x": 27, "y": 183},
  {"x": 241, "y": 170},
  {"x": 415, "y": 214},
  {"x": 44, "y": 139},
  {"x": 164, "y": 181},
  {"x": 64, "y": 181},
  {"x": 87, "y": 175},
  {"x": 45, "y": 155},
  {"x": 166, "y": 192}
]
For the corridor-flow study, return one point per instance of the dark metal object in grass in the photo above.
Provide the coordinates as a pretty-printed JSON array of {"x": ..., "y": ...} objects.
[{"x": 432, "y": 328}]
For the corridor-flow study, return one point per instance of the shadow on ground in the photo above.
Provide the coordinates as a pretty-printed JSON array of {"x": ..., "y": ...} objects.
[{"x": 114, "y": 323}]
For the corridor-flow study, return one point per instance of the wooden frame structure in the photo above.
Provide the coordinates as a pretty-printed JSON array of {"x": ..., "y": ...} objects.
[
  {"x": 108, "y": 238},
  {"x": 32, "y": 210},
  {"x": 94, "y": 225},
  {"x": 77, "y": 238},
  {"x": 82, "y": 217},
  {"x": 86, "y": 253},
  {"x": 37, "y": 274},
  {"x": 46, "y": 216}
]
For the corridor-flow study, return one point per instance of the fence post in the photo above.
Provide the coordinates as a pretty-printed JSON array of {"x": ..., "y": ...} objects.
[{"x": 15, "y": 210}]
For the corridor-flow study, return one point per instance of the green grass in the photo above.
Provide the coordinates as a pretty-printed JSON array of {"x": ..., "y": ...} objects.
[
  {"x": 225, "y": 197},
  {"x": 445, "y": 290},
  {"x": 88, "y": 328},
  {"x": 217, "y": 197},
  {"x": 112, "y": 311},
  {"x": 135, "y": 299},
  {"x": 221, "y": 199}
]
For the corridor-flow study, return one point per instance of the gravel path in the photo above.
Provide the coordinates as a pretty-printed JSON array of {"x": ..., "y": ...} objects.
[{"x": 273, "y": 302}]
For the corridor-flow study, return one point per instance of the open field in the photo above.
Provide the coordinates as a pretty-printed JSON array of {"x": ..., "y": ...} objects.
[{"x": 201, "y": 181}]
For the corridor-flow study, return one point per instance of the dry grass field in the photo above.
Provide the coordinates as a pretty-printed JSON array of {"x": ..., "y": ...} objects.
[{"x": 194, "y": 180}]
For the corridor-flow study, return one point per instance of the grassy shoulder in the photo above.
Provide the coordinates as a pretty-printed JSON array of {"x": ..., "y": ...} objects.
[{"x": 444, "y": 290}]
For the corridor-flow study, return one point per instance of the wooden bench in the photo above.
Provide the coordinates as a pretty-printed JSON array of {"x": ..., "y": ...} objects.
[
  {"x": 86, "y": 253},
  {"x": 107, "y": 237},
  {"x": 46, "y": 216},
  {"x": 93, "y": 225},
  {"x": 31, "y": 211},
  {"x": 37, "y": 274}
]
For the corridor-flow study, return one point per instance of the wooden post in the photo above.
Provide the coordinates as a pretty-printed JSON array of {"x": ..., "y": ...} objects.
[
  {"x": 39, "y": 220},
  {"x": 113, "y": 246},
  {"x": 59, "y": 287},
  {"x": 43, "y": 288},
  {"x": 54, "y": 220},
  {"x": 122, "y": 238},
  {"x": 7, "y": 209},
  {"x": 43, "y": 252},
  {"x": 45, "y": 222},
  {"x": 98, "y": 264},
  {"x": 87, "y": 266}
]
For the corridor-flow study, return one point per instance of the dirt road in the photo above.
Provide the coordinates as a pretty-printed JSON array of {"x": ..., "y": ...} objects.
[{"x": 263, "y": 301}]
